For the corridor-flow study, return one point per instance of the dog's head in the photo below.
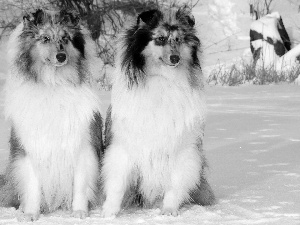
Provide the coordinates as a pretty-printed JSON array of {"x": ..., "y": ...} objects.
[
  {"x": 56, "y": 35},
  {"x": 53, "y": 40},
  {"x": 160, "y": 39}
]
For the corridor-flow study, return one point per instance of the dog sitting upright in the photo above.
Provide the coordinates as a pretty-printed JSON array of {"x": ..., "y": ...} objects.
[
  {"x": 155, "y": 126},
  {"x": 56, "y": 136}
]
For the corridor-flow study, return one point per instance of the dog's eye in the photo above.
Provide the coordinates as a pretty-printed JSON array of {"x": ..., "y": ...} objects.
[
  {"x": 161, "y": 40},
  {"x": 45, "y": 39},
  {"x": 65, "y": 39}
]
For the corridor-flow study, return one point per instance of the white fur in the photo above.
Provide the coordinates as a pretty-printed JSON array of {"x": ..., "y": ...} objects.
[
  {"x": 155, "y": 130},
  {"x": 52, "y": 119}
]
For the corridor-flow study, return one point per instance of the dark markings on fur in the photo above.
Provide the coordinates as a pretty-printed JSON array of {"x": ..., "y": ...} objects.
[
  {"x": 194, "y": 44},
  {"x": 170, "y": 27},
  {"x": 2, "y": 180},
  {"x": 65, "y": 17},
  {"x": 136, "y": 39},
  {"x": 69, "y": 18},
  {"x": 96, "y": 134},
  {"x": 108, "y": 132},
  {"x": 185, "y": 17},
  {"x": 36, "y": 18},
  {"x": 79, "y": 42},
  {"x": 8, "y": 195},
  {"x": 16, "y": 148},
  {"x": 24, "y": 60},
  {"x": 151, "y": 18},
  {"x": 82, "y": 70},
  {"x": 203, "y": 193}
]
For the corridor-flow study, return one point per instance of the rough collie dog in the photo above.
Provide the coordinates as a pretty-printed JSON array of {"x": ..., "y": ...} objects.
[
  {"x": 56, "y": 136},
  {"x": 154, "y": 129}
]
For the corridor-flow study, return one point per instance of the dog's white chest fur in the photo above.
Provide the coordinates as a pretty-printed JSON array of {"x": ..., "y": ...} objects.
[
  {"x": 158, "y": 112},
  {"x": 155, "y": 122},
  {"x": 53, "y": 125}
]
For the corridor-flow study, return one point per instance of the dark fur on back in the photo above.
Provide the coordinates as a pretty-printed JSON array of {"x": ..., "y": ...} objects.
[{"x": 139, "y": 35}]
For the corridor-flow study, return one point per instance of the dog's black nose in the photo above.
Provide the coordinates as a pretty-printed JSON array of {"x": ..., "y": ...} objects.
[
  {"x": 61, "y": 57},
  {"x": 174, "y": 59}
]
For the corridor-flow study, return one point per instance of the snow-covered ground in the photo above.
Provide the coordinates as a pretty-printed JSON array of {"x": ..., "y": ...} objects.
[{"x": 253, "y": 146}]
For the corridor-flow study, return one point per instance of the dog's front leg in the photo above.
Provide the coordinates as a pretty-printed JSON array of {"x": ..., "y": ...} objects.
[
  {"x": 85, "y": 181},
  {"x": 184, "y": 177},
  {"x": 29, "y": 189},
  {"x": 115, "y": 174}
]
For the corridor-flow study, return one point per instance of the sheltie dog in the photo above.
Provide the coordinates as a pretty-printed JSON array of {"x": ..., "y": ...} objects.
[
  {"x": 155, "y": 126},
  {"x": 56, "y": 136}
]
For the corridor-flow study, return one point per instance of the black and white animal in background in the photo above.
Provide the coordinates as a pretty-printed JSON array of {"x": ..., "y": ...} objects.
[
  {"x": 155, "y": 127},
  {"x": 54, "y": 108},
  {"x": 269, "y": 39}
]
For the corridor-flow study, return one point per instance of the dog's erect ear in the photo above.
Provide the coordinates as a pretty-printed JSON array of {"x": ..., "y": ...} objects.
[
  {"x": 150, "y": 18},
  {"x": 70, "y": 18},
  {"x": 184, "y": 16},
  {"x": 36, "y": 18}
]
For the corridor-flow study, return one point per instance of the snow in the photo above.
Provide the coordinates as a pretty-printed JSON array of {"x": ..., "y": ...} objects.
[{"x": 252, "y": 137}]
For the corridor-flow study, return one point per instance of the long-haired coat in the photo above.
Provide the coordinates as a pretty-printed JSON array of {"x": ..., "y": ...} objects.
[
  {"x": 56, "y": 136},
  {"x": 154, "y": 128}
]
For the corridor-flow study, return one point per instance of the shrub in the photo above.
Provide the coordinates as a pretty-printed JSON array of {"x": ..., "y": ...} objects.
[{"x": 237, "y": 74}]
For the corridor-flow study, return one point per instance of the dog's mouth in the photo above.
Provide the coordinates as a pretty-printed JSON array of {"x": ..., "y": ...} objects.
[
  {"x": 174, "y": 61},
  {"x": 60, "y": 64}
]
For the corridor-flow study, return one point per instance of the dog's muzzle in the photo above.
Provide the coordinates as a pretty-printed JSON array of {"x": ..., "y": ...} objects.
[{"x": 172, "y": 60}]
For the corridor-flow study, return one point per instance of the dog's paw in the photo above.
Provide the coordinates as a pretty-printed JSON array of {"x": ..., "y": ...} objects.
[
  {"x": 169, "y": 212},
  {"x": 109, "y": 211},
  {"x": 28, "y": 217},
  {"x": 80, "y": 214}
]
